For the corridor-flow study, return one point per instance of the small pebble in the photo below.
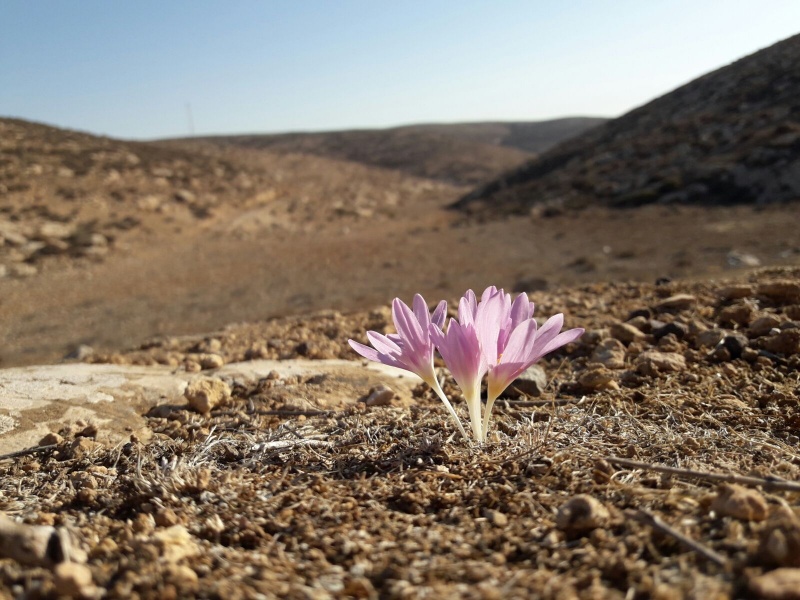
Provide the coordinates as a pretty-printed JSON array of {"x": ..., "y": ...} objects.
[
  {"x": 626, "y": 333},
  {"x": 780, "y": 584},
  {"x": 710, "y": 338},
  {"x": 209, "y": 361},
  {"x": 740, "y": 503},
  {"x": 532, "y": 381},
  {"x": 653, "y": 362},
  {"x": 204, "y": 395},
  {"x": 679, "y": 330},
  {"x": 735, "y": 344},
  {"x": 496, "y": 518},
  {"x": 581, "y": 514},
  {"x": 783, "y": 292},
  {"x": 763, "y": 325},
  {"x": 780, "y": 538},
  {"x": 380, "y": 395},
  {"x": 610, "y": 353},
  {"x": 734, "y": 292},
  {"x": 677, "y": 302},
  {"x": 598, "y": 378},
  {"x": 74, "y": 581},
  {"x": 736, "y": 314},
  {"x": 51, "y": 439},
  {"x": 786, "y": 342}
]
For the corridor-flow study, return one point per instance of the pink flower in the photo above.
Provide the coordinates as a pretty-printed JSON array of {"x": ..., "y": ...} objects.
[
  {"x": 524, "y": 345},
  {"x": 494, "y": 337},
  {"x": 461, "y": 352},
  {"x": 507, "y": 341},
  {"x": 411, "y": 348}
]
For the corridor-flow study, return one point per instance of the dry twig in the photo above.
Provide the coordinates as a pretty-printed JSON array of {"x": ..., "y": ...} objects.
[
  {"x": 294, "y": 413},
  {"x": 534, "y": 403},
  {"x": 27, "y": 451},
  {"x": 655, "y": 522},
  {"x": 768, "y": 484},
  {"x": 283, "y": 444}
]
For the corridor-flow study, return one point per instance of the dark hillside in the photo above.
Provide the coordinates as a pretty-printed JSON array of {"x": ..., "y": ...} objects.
[{"x": 731, "y": 136}]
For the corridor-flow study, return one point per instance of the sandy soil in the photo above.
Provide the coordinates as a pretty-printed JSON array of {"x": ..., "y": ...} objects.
[{"x": 204, "y": 278}]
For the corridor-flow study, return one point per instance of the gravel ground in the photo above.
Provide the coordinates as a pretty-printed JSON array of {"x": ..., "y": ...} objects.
[{"x": 660, "y": 461}]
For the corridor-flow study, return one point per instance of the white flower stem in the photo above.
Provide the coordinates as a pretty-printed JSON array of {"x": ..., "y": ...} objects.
[
  {"x": 473, "y": 398},
  {"x": 434, "y": 383},
  {"x": 487, "y": 414}
]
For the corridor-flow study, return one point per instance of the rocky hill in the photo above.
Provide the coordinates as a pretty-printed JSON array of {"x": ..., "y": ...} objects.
[
  {"x": 72, "y": 194},
  {"x": 461, "y": 154},
  {"x": 77, "y": 197},
  {"x": 731, "y": 136}
]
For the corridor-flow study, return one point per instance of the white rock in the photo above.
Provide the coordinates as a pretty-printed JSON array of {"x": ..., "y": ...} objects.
[{"x": 115, "y": 396}]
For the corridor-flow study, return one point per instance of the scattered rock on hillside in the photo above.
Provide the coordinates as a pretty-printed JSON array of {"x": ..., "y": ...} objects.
[
  {"x": 532, "y": 381},
  {"x": 610, "y": 353},
  {"x": 626, "y": 333},
  {"x": 784, "y": 342}
]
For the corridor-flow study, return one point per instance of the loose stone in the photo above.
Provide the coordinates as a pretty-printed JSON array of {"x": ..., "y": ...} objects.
[
  {"x": 581, "y": 514},
  {"x": 740, "y": 503}
]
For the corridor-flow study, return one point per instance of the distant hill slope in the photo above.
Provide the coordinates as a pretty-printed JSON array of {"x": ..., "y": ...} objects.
[
  {"x": 529, "y": 136},
  {"x": 72, "y": 195},
  {"x": 463, "y": 154},
  {"x": 731, "y": 136},
  {"x": 68, "y": 195}
]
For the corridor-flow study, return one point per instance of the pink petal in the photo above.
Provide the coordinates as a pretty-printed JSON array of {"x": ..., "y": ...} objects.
[
  {"x": 382, "y": 343},
  {"x": 550, "y": 329},
  {"x": 467, "y": 307},
  {"x": 502, "y": 376},
  {"x": 488, "y": 293},
  {"x": 440, "y": 314},
  {"x": 461, "y": 352},
  {"x": 562, "y": 339},
  {"x": 365, "y": 351},
  {"x": 421, "y": 312},
  {"x": 521, "y": 310},
  {"x": 522, "y": 344},
  {"x": 489, "y": 319},
  {"x": 438, "y": 337},
  {"x": 409, "y": 327}
]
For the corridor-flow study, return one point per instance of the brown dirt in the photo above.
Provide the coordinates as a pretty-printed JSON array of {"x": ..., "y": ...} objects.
[
  {"x": 107, "y": 243},
  {"x": 202, "y": 279},
  {"x": 254, "y": 501}
]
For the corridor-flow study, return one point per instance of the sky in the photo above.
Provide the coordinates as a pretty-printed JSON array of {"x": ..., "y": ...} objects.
[{"x": 143, "y": 69}]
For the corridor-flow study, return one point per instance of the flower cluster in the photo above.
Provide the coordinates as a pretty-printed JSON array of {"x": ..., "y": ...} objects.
[{"x": 493, "y": 337}]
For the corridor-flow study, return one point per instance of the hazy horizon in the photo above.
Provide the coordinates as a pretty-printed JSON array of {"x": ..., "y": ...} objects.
[{"x": 146, "y": 70}]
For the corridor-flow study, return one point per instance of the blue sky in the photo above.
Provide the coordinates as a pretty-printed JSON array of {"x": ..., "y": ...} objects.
[{"x": 130, "y": 68}]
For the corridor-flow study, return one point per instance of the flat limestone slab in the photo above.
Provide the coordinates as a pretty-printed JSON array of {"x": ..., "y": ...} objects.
[{"x": 38, "y": 400}]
